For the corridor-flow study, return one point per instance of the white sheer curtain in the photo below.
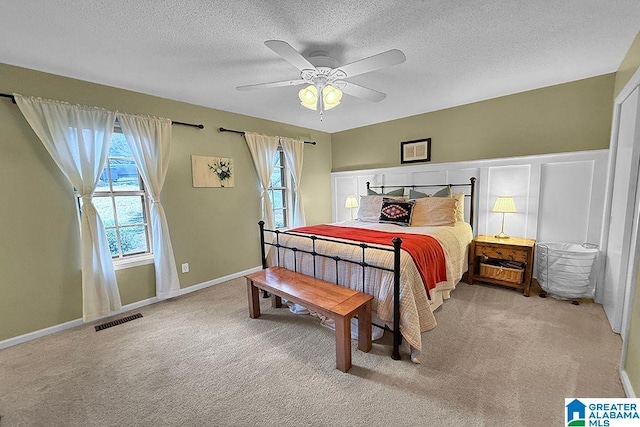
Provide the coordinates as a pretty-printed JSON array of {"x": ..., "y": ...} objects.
[
  {"x": 263, "y": 148},
  {"x": 149, "y": 139},
  {"x": 78, "y": 139},
  {"x": 293, "y": 152}
]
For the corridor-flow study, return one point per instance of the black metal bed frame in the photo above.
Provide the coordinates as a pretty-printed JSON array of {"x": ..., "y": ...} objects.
[{"x": 397, "y": 244}]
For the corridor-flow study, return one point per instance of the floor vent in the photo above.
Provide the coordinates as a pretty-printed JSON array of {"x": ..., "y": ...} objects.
[{"x": 118, "y": 322}]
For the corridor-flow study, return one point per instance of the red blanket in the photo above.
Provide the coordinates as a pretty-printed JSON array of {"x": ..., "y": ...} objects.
[{"x": 425, "y": 250}]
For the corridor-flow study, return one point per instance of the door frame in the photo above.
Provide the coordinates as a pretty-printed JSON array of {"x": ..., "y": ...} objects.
[
  {"x": 614, "y": 303},
  {"x": 634, "y": 244},
  {"x": 606, "y": 217},
  {"x": 629, "y": 292}
]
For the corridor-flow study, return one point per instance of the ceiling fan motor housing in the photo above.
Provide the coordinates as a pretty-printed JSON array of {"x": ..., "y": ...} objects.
[
  {"x": 325, "y": 73},
  {"x": 322, "y": 76},
  {"x": 320, "y": 58}
]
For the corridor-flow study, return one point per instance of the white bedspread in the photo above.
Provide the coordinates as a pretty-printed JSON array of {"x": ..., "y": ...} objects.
[{"x": 416, "y": 310}]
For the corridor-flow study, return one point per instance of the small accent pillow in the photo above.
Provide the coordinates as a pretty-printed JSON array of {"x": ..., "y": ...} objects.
[
  {"x": 459, "y": 197},
  {"x": 369, "y": 210},
  {"x": 434, "y": 211},
  {"x": 445, "y": 192},
  {"x": 413, "y": 194},
  {"x": 396, "y": 212},
  {"x": 394, "y": 193}
]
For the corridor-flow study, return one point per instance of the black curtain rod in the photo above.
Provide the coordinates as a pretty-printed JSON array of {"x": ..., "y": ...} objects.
[
  {"x": 239, "y": 132},
  {"x": 199, "y": 126},
  {"x": 11, "y": 97}
]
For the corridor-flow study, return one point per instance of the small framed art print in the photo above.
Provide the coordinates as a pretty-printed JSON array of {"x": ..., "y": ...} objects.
[
  {"x": 418, "y": 150},
  {"x": 212, "y": 171}
]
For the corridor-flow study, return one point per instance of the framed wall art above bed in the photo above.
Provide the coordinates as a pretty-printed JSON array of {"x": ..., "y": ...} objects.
[{"x": 418, "y": 150}]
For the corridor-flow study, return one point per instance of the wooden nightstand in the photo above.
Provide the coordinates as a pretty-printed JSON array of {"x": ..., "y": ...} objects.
[{"x": 512, "y": 249}]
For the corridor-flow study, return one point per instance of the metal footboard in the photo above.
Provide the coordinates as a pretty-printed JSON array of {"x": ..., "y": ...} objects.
[{"x": 396, "y": 241}]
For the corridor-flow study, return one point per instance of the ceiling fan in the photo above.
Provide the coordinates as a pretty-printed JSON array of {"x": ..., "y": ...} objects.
[{"x": 325, "y": 78}]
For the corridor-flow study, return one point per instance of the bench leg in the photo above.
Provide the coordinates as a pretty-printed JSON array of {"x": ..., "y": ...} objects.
[
  {"x": 254, "y": 300},
  {"x": 276, "y": 301},
  {"x": 364, "y": 327},
  {"x": 343, "y": 343}
]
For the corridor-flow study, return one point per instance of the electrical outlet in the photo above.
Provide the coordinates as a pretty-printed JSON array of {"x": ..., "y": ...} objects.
[{"x": 185, "y": 267}]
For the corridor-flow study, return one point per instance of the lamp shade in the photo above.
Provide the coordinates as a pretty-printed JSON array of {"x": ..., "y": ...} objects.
[
  {"x": 331, "y": 97},
  {"x": 352, "y": 202},
  {"x": 504, "y": 204},
  {"x": 309, "y": 97}
]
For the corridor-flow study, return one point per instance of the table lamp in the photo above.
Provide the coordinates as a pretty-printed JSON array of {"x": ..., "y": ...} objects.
[
  {"x": 352, "y": 202},
  {"x": 504, "y": 204}
]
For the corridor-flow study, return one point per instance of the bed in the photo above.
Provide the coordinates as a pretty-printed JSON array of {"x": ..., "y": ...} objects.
[{"x": 409, "y": 270}]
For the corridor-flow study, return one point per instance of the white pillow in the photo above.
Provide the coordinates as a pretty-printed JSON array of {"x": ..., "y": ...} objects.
[
  {"x": 434, "y": 211},
  {"x": 369, "y": 209}
]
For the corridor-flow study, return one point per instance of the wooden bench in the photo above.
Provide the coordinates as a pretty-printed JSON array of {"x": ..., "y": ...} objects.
[{"x": 335, "y": 302}]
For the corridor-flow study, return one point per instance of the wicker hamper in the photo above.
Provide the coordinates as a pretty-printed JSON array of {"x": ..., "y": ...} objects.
[{"x": 493, "y": 270}]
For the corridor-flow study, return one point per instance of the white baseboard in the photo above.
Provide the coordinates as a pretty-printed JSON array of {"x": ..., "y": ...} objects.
[
  {"x": 40, "y": 333},
  {"x": 129, "y": 307},
  {"x": 219, "y": 280},
  {"x": 626, "y": 384}
]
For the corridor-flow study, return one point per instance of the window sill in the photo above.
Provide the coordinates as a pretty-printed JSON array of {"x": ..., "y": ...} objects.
[{"x": 137, "y": 261}]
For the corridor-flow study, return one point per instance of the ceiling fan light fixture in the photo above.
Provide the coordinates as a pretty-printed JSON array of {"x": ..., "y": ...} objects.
[
  {"x": 325, "y": 79},
  {"x": 331, "y": 97},
  {"x": 309, "y": 97}
]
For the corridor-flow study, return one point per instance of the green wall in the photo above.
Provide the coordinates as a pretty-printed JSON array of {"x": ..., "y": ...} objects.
[
  {"x": 213, "y": 229},
  {"x": 568, "y": 117},
  {"x": 629, "y": 65}
]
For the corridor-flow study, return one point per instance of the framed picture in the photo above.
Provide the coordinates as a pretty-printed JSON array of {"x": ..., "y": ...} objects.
[
  {"x": 415, "y": 151},
  {"x": 212, "y": 171}
]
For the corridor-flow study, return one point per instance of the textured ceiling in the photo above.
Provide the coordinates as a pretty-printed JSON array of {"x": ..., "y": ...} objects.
[{"x": 198, "y": 51}]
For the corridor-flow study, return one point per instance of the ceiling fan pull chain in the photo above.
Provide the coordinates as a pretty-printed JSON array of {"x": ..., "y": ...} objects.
[{"x": 320, "y": 101}]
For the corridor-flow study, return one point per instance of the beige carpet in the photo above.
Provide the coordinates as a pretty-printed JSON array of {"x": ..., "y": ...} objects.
[{"x": 495, "y": 359}]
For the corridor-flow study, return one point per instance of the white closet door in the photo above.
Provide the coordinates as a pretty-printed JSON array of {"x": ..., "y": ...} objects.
[{"x": 622, "y": 210}]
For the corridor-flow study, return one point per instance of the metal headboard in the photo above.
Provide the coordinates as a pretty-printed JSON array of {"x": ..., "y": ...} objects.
[{"x": 471, "y": 195}]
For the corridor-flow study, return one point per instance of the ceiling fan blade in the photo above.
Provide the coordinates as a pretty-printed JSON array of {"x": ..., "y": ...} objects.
[
  {"x": 363, "y": 92},
  {"x": 372, "y": 63},
  {"x": 274, "y": 84},
  {"x": 285, "y": 50}
]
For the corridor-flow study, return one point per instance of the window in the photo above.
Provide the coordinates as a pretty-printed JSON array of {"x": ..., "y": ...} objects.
[
  {"x": 279, "y": 192},
  {"x": 121, "y": 201}
]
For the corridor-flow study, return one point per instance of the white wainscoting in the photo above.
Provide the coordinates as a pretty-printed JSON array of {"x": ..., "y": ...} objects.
[{"x": 559, "y": 197}]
